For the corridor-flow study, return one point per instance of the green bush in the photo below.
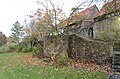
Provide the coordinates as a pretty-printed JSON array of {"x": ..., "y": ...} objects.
[
  {"x": 14, "y": 48},
  {"x": 45, "y": 59},
  {"x": 25, "y": 50},
  {"x": 20, "y": 48},
  {"x": 63, "y": 60},
  {"x": 9, "y": 48},
  {"x": 4, "y": 49},
  {"x": 34, "y": 50}
]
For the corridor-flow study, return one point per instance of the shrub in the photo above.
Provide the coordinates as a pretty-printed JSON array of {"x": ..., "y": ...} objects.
[
  {"x": 34, "y": 50},
  {"x": 9, "y": 48},
  {"x": 45, "y": 60},
  {"x": 63, "y": 60},
  {"x": 20, "y": 48},
  {"x": 52, "y": 56},
  {"x": 25, "y": 50}
]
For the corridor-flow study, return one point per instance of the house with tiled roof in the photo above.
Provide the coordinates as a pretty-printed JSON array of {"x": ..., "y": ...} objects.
[
  {"x": 82, "y": 22},
  {"x": 108, "y": 17},
  {"x": 89, "y": 13},
  {"x": 89, "y": 21},
  {"x": 110, "y": 7}
]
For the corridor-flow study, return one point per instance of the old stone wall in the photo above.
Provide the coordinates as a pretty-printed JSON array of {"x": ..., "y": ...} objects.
[
  {"x": 88, "y": 50},
  {"x": 106, "y": 24},
  {"x": 78, "y": 48},
  {"x": 55, "y": 44}
]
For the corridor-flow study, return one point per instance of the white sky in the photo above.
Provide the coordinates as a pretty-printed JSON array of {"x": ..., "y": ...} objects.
[{"x": 16, "y": 10}]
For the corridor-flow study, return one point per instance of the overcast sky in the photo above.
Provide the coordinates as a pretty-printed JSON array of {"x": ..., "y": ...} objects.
[{"x": 16, "y": 10}]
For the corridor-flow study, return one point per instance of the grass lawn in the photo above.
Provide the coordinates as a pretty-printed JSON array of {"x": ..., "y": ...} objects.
[{"x": 16, "y": 66}]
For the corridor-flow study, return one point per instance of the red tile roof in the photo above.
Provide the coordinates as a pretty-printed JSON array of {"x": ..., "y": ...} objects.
[
  {"x": 110, "y": 7},
  {"x": 86, "y": 16},
  {"x": 89, "y": 13}
]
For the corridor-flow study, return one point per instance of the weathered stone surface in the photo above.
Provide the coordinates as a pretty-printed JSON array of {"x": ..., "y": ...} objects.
[
  {"x": 106, "y": 24},
  {"x": 78, "y": 48},
  {"x": 56, "y": 44},
  {"x": 89, "y": 50}
]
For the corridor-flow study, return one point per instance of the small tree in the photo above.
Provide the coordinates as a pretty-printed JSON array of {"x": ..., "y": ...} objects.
[
  {"x": 17, "y": 32},
  {"x": 46, "y": 20}
]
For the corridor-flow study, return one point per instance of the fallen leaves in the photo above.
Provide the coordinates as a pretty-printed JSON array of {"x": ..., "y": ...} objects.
[
  {"x": 91, "y": 66},
  {"x": 28, "y": 59},
  {"x": 24, "y": 66}
]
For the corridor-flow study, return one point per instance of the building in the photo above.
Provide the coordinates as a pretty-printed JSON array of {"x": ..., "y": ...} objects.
[
  {"x": 110, "y": 7},
  {"x": 82, "y": 22},
  {"x": 108, "y": 18}
]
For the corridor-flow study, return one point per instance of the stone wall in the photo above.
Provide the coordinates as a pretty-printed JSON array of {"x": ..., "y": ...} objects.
[
  {"x": 106, "y": 24},
  {"x": 82, "y": 29},
  {"x": 88, "y": 50},
  {"x": 56, "y": 44},
  {"x": 78, "y": 48}
]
